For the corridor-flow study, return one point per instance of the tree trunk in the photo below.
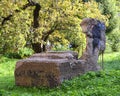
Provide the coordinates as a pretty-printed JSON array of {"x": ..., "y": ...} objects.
[{"x": 38, "y": 47}]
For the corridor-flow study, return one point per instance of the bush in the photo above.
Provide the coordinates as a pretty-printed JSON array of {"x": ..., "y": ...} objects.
[
  {"x": 114, "y": 40},
  {"x": 13, "y": 55},
  {"x": 22, "y": 53},
  {"x": 25, "y": 52}
]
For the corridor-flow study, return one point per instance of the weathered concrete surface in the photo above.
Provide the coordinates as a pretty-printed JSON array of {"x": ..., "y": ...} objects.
[{"x": 47, "y": 69}]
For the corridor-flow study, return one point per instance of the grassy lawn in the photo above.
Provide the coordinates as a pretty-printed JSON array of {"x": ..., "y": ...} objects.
[{"x": 103, "y": 83}]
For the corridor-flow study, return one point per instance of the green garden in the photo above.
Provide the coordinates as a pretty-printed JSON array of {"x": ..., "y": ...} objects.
[{"x": 35, "y": 26}]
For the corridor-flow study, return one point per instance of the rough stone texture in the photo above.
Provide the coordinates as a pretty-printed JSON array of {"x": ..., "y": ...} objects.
[
  {"x": 89, "y": 57},
  {"x": 57, "y": 55},
  {"x": 52, "y": 68},
  {"x": 47, "y": 69}
]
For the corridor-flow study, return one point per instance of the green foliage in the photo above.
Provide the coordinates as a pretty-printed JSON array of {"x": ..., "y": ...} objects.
[
  {"x": 22, "y": 53},
  {"x": 110, "y": 12},
  {"x": 114, "y": 22},
  {"x": 13, "y": 33},
  {"x": 25, "y": 52},
  {"x": 114, "y": 40},
  {"x": 102, "y": 83},
  {"x": 61, "y": 16}
]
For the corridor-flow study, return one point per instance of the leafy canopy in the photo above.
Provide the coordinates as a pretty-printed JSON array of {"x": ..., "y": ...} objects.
[{"x": 61, "y": 16}]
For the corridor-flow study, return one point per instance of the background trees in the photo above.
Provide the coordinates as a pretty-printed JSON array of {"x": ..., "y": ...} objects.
[
  {"x": 58, "y": 23},
  {"x": 13, "y": 33},
  {"x": 110, "y": 8}
]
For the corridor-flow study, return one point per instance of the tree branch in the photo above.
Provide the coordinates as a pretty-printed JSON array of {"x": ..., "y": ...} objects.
[
  {"x": 45, "y": 36},
  {"x": 35, "y": 13},
  {"x": 6, "y": 19}
]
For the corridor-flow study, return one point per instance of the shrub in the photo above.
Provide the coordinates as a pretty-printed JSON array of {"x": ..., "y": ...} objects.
[
  {"x": 22, "y": 53},
  {"x": 25, "y": 52},
  {"x": 114, "y": 40}
]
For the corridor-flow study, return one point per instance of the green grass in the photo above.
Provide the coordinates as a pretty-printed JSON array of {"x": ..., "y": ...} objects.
[
  {"x": 103, "y": 83},
  {"x": 112, "y": 61}
]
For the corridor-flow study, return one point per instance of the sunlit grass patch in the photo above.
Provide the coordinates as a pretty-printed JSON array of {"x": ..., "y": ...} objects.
[
  {"x": 102, "y": 83},
  {"x": 111, "y": 61}
]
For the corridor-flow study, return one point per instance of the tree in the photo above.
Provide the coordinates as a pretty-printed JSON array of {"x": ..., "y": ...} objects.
[
  {"x": 108, "y": 8},
  {"x": 41, "y": 21},
  {"x": 12, "y": 34}
]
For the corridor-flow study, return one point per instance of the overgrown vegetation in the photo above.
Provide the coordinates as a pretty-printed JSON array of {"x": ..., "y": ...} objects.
[{"x": 103, "y": 83}]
